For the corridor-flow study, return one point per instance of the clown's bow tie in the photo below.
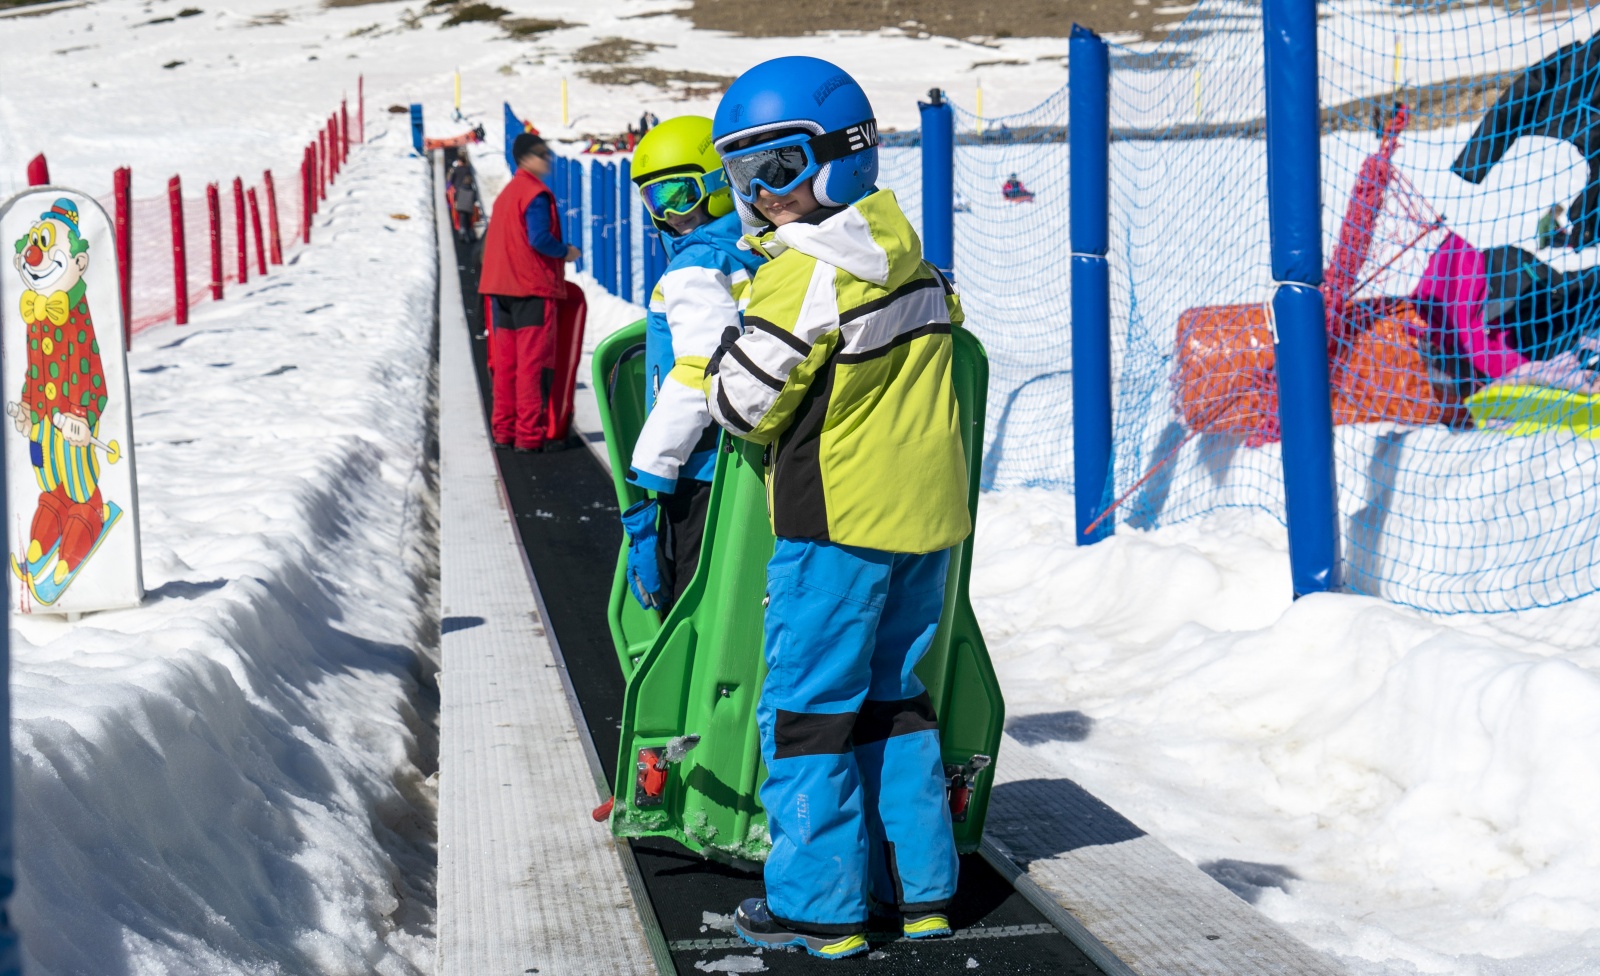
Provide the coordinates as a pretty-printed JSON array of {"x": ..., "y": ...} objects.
[{"x": 37, "y": 307}]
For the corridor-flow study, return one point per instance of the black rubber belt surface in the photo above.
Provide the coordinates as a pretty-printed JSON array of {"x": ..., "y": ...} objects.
[{"x": 566, "y": 511}]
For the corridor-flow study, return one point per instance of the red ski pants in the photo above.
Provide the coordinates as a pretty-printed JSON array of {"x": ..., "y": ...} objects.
[{"x": 525, "y": 352}]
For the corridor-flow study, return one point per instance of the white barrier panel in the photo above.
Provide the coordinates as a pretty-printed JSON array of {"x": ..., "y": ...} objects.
[{"x": 68, "y": 429}]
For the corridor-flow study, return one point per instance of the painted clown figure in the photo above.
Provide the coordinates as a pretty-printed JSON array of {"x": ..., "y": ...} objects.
[{"x": 63, "y": 395}]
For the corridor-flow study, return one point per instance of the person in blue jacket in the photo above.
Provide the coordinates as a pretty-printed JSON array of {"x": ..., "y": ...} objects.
[{"x": 700, "y": 295}]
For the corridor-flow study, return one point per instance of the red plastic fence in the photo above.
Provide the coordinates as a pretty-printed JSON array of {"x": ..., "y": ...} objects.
[{"x": 156, "y": 287}]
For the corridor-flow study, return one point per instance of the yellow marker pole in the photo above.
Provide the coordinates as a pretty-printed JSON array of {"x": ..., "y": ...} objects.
[
  {"x": 563, "y": 103},
  {"x": 980, "y": 108},
  {"x": 1397, "y": 62},
  {"x": 1198, "y": 104},
  {"x": 458, "y": 91}
]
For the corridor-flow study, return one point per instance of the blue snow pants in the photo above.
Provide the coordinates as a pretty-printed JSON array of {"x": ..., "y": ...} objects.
[{"x": 855, "y": 790}]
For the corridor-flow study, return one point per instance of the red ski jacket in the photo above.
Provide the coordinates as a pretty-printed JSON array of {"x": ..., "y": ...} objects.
[{"x": 511, "y": 267}]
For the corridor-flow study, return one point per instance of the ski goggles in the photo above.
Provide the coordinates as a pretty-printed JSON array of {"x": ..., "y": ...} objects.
[
  {"x": 782, "y": 165},
  {"x": 679, "y": 193}
]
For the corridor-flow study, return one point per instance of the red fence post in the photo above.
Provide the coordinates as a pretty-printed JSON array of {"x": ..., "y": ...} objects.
[
  {"x": 122, "y": 188},
  {"x": 344, "y": 126},
  {"x": 214, "y": 216},
  {"x": 243, "y": 257},
  {"x": 255, "y": 226},
  {"x": 38, "y": 171},
  {"x": 308, "y": 196},
  {"x": 322, "y": 165},
  {"x": 274, "y": 242},
  {"x": 361, "y": 108},
  {"x": 180, "y": 262}
]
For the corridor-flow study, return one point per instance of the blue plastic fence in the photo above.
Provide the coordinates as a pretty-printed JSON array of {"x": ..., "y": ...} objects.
[
  {"x": 601, "y": 214},
  {"x": 1458, "y": 318}
]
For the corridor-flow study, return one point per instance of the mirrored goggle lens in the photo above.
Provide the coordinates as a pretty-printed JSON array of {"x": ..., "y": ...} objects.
[
  {"x": 779, "y": 169},
  {"x": 671, "y": 196}
]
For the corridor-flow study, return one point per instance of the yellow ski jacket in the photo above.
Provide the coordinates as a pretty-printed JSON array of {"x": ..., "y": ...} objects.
[{"x": 843, "y": 369}]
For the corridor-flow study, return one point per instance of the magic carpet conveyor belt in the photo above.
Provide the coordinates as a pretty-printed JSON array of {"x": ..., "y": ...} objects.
[{"x": 565, "y": 511}]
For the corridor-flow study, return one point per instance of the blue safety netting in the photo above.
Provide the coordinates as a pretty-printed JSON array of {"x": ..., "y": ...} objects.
[
  {"x": 1011, "y": 254},
  {"x": 1463, "y": 316}
]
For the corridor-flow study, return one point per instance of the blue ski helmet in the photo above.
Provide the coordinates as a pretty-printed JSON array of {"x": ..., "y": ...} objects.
[{"x": 809, "y": 95}]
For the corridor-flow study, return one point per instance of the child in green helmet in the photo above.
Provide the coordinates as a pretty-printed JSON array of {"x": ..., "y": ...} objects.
[{"x": 699, "y": 296}]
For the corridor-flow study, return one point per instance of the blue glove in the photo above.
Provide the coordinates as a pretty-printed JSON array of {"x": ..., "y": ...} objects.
[{"x": 644, "y": 572}]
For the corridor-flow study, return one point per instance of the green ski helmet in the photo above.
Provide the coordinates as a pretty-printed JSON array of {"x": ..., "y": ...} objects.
[{"x": 675, "y": 168}]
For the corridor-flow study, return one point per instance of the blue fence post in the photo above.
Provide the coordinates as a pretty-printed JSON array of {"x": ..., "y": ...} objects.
[
  {"x": 625, "y": 233},
  {"x": 1089, "y": 135},
  {"x": 1294, "y": 207},
  {"x": 596, "y": 215},
  {"x": 604, "y": 228},
  {"x": 576, "y": 215},
  {"x": 416, "y": 127},
  {"x": 655, "y": 259},
  {"x": 938, "y": 181},
  {"x": 611, "y": 227}
]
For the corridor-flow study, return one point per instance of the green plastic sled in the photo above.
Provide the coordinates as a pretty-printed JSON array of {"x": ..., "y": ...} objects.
[
  {"x": 690, "y": 761},
  {"x": 619, "y": 386}
]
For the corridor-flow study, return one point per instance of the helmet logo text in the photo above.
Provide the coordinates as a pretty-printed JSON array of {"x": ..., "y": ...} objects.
[{"x": 830, "y": 86}]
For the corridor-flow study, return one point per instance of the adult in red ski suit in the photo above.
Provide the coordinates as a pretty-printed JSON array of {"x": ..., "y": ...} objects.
[{"x": 523, "y": 277}]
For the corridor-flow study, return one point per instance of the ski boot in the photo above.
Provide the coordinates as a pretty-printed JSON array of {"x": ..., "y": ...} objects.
[{"x": 757, "y": 926}]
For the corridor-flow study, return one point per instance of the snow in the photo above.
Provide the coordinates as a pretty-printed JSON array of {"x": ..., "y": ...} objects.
[
  {"x": 732, "y": 964},
  {"x": 233, "y": 777},
  {"x": 1411, "y": 793}
]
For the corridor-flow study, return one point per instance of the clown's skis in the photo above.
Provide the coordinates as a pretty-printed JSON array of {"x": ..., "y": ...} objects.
[{"x": 39, "y": 574}]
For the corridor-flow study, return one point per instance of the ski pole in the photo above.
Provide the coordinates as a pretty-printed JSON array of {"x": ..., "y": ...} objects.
[{"x": 113, "y": 450}]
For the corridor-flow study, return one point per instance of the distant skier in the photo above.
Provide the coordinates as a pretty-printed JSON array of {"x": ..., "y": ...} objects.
[
  {"x": 1549, "y": 233},
  {"x": 1014, "y": 191},
  {"x": 464, "y": 200},
  {"x": 698, "y": 298},
  {"x": 844, "y": 371},
  {"x": 523, "y": 272}
]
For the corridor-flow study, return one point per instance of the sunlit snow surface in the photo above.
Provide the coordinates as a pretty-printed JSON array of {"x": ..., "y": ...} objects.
[
  {"x": 226, "y": 779},
  {"x": 1411, "y": 793}
]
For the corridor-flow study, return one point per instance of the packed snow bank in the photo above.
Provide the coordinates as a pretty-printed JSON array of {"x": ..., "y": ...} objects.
[
  {"x": 1412, "y": 793},
  {"x": 233, "y": 778}
]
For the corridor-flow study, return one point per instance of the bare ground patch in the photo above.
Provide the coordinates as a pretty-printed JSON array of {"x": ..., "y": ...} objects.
[
  {"x": 948, "y": 18},
  {"x": 615, "y": 64}
]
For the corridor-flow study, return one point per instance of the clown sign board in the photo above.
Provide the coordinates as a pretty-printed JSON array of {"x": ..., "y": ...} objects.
[{"x": 67, "y": 430}]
